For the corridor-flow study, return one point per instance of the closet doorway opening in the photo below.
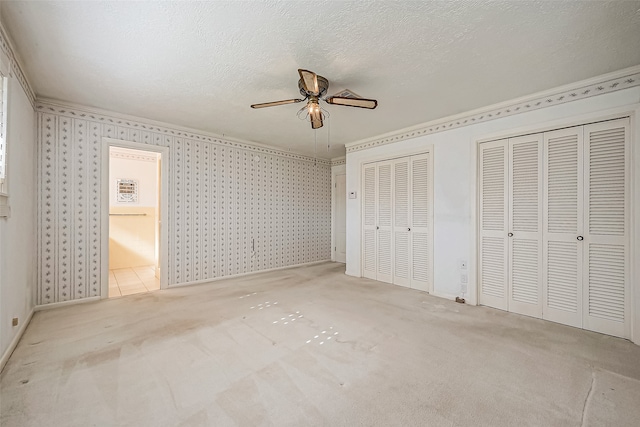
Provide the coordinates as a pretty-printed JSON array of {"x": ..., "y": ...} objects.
[{"x": 134, "y": 213}]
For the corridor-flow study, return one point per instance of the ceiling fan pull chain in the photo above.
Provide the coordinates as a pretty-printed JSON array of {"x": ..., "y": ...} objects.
[{"x": 328, "y": 134}]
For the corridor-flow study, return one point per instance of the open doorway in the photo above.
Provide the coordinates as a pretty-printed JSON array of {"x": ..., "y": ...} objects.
[{"x": 134, "y": 221}]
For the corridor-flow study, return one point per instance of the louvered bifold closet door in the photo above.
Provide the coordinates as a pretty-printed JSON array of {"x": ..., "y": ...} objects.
[
  {"x": 494, "y": 160},
  {"x": 421, "y": 222},
  {"x": 563, "y": 223},
  {"x": 525, "y": 225},
  {"x": 606, "y": 239},
  {"x": 369, "y": 220},
  {"x": 401, "y": 222},
  {"x": 384, "y": 259}
]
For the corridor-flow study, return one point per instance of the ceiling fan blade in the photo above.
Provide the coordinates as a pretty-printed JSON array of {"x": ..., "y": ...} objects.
[
  {"x": 353, "y": 102},
  {"x": 309, "y": 81},
  {"x": 274, "y": 103}
]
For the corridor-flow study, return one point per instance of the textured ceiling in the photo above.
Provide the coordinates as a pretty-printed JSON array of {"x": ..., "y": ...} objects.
[{"x": 202, "y": 64}]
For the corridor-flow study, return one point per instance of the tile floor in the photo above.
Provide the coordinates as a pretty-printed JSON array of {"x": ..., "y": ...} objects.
[{"x": 128, "y": 281}]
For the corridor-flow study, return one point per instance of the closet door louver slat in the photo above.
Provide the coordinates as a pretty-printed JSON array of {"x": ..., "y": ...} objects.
[
  {"x": 563, "y": 219},
  {"x": 401, "y": 233},
  {"x": 369, "y": 221},
  {"x": 421, "y": 223},
  {"x": 606, "y": 287},
  {"x": 563, "y": 198},
  {"x": 493, "y": 214},
  {"x": 525, "y": 223},
  {"x": 397, "y": 217},
  {"x": 384, "y": 245}
]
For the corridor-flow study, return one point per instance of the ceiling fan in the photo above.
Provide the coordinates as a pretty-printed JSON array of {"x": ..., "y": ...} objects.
[{"x": 313, "y": 87}]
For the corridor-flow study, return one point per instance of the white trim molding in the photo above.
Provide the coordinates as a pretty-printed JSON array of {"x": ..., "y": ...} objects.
[
  {"x": 337, "y": 161},
  {"x": 16, "y": 67},
  {"x": 53, "y": 305},
  {"x": 607, "y": 83},
  {"x": 249, "y": 273},
  {"x": 145, "y": 125},
  {"x": 16, "y": 339},
  {"x": 117, "y": 152}
]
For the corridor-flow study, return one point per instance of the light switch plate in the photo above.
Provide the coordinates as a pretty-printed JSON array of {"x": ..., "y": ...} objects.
[{"x": 353, "y": 195}]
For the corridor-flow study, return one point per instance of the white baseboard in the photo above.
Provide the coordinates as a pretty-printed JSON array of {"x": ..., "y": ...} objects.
[
  {"x": 352, "y": 273},
  {"x": 65, "y": 303},
  {"x": 450, "y": 296},
  {"x": 215, "y": 279},
  {"x": 16, "y": 339}
]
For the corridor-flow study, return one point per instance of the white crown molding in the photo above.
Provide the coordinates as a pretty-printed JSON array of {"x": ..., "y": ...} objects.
[
  {"x": 607, "y": 83},
  {"x": 123, "y": 153},
  {"x": 338, "y": 161},
  {"x": 71, "y": 110},
  {"x": 16, "y": 65}
]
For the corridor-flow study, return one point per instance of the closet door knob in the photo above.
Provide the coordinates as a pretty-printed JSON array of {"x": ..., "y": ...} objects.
[
  {"x": 377, "y": 228},
  {"x": 510, "y": 234},
  {"x": 580, "y": 238},
  {"x": 408, "y": 229}
]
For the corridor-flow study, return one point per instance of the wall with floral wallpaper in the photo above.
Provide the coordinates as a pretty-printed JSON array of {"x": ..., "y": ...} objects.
[{"x": 233, "y": 208}]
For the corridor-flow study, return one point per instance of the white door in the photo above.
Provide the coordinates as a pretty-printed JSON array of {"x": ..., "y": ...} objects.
[
  {"x": 421, "y": 224},
  {"x": 606, "y": 242},
  {"x": 369, "y": 238},
  {"x": 401, "y": 222},
  {"x": 340, "y": 215},
  {"x": 494, "y": 161},
  {"x": 384, "y": 225},
  {"x": 563, "y": 221},
  {"x": 525, "y": 225}
]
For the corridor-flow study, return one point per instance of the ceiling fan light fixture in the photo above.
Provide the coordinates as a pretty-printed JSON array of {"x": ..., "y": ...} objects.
[
  {"x": 315, "y": 113},
  {"x": 313, "y": 88}
]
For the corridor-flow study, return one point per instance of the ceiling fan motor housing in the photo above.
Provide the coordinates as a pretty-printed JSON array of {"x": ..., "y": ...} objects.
[{"x": 323, "y": 85}]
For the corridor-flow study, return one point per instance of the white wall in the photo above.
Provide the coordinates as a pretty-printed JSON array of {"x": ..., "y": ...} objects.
[
  {"x": 455, "y": 187},
  {"x": 17, "y": 233}
]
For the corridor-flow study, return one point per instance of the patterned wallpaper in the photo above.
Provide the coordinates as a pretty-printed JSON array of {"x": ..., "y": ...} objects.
[{"x": 233, "y": 208}]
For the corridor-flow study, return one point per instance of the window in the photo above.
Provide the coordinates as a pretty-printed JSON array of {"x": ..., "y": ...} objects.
[
  {"x": 3, "y": 134},
  {"x": 4, "y": 82}
]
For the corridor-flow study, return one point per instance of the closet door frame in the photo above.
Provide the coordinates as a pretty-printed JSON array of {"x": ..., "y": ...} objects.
[
  {"x": 397, "y": 155},
  {"x": 516, "y": 235},
  {"x": 402, "y": 236},
  {"x": 563, "y": 240},
  {"x": 418, "y": 229},
  {"x": 631, "y": 111},
  {"x": 495, "y": 295},
  {"x": 596, "y": 323},
  {"x": 386, "y": 228},
  {"x": 368, "y": 229}
]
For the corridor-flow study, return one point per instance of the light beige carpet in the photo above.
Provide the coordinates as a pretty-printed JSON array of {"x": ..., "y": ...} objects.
[{"x": 310, "y": 346}]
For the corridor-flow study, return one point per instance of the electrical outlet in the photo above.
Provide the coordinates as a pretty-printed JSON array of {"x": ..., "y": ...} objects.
[
  {"x": 462, "y": 264},
  {"x": 463, "y": 278},
  {"x": 463, "y": 288}
]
